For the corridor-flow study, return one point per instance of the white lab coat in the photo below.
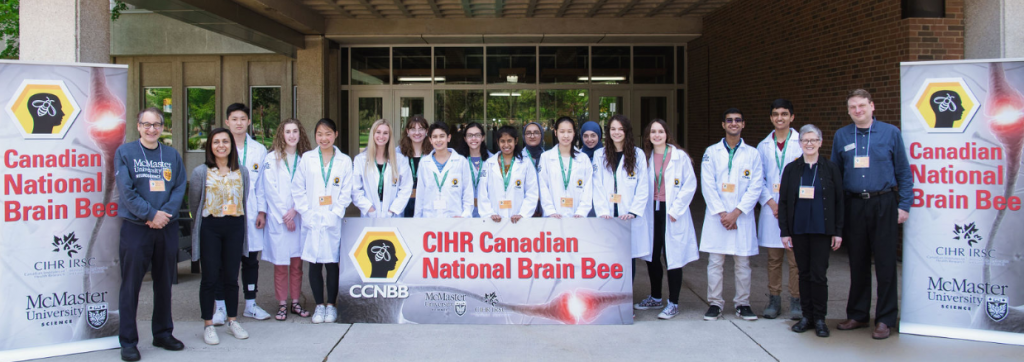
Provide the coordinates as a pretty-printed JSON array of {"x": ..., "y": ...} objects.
[
  {"x": 522, "y": 189},
  {"x": 635, "y": 192},
  {"x": 396, "y": 189},
  {"x": 321, "y": 225},
  {"x": 552, "y": 188},
  {"x": 768, "y": 233},
  {"x": 480, "y": 174},
  {"x": 253, "y": 162},
  {"x": 748, "y": 179},
  {"x": 280, "y": 245},
  {"x": 457, "y": 189},
  {"x": 680, "y": 186}
]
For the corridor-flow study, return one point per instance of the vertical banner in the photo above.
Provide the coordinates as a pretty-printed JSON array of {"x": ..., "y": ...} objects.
[
  {"x": 476, "y": 271},
  {"x": 963, "y": 126},
  {"x": 60, "y": 125}
]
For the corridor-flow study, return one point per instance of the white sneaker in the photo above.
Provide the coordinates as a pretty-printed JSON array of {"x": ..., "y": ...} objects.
[
  {"x": 319, "y": 314},
  {"x": 235, "y": 329},
  {"x": 220, "y": 316},
  {"x": 671, "y": 310},
  {"x": 256, "y": 313},
  {"x": 332, "y": 314},
  {"x": 210, "y": 335}
]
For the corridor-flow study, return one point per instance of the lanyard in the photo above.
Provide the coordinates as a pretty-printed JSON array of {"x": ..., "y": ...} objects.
[
  {"x": 245, "y": 150},
  {"x": 732, "y": 152},
  {"x": 856, "y": 146},
  {"x": 615, "y": 174},
  {"x": 813, "y": 178},
  {"x": 506, "y": 176},
  {"x": 294, "y": 166},
  {"x": 565, "y": 176},
  {"x": 781, "y": 160},
  {"x": 329, "y": 169},
  {"x": 474, "y": 171},
  {"x": 413, "y": 166},
  {"x": 380, "y": 180},
  {"x": 157, "y": 151},
  {"x": 441, "y": 182},
  {"x": 530, "y": 156},
  {"x": 660, "y": 177}
]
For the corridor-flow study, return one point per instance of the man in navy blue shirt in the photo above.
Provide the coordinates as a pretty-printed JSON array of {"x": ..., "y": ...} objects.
[{"x": 879, "y": 188}]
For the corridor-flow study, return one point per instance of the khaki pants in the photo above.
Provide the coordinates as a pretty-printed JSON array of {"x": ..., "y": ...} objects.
[
  {"x": 775, "y": 272},
  {"x": 741, "y": 270}
]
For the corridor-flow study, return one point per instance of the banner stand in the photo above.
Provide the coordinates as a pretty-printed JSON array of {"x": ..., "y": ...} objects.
[{"x": 61, "y": 349}]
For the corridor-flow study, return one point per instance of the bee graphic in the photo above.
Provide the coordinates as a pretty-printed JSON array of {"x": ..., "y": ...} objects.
[
  {"x": 336, "y": 181},
  {"x": 519, "y": 183},
  {"x": 677, "y": 182},
  {"x": 255, "y": 167},
  {"x": 579, "y": 182},
  {"x": 455, "y": 182},
  {"x": 746, "y": 173}
]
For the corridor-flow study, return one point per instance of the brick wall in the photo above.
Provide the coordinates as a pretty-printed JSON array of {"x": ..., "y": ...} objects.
[{"x": 812, "y": 53}]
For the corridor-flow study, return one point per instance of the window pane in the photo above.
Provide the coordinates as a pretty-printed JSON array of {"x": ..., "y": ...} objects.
[
  {"x": 511, "y": 65},
  {"x": 344, "y": 67},
  {"x": 563, "y": 102},
  {"x": 200, "y": 115},
  {"x": 611, "y": 65},
  {"x": 161, "y": 98},
  {"x": 370, "y": 66},
  {"x": 411, "y": 65},
  {"x": 651, "y": 108},
  {"x": 266, "y": 113},
  {"x": 408, "y": 107},
  {"x": 608, "y": 107},
  {"x": 653, "y": 65},
  {"x": 459, "y": 65},
  {"x": 680, "y": 117},
  {"x": 457, "y": 108},
  {"x": 509, "y": 108},
  {"x": 681, "y": 65},
  {"x": 563, "y": 64},
  {"x": 370, "y": 110}
]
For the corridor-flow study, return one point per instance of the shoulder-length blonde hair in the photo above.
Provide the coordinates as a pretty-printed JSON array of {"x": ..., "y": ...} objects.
[
  {"x": 280, "y": 144},
  {"x": 371, "y": 149}
]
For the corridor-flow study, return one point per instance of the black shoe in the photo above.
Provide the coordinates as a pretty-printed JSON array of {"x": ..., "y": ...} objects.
[
  {"x": 802, "y": 326},
  {"x": 130, "y": 353},
  {"x": 820, "y": 328},
  {"x": 746, "y": 313},
  {"x": 169, "y": 343},
  {"x": 713, "y": 313}
]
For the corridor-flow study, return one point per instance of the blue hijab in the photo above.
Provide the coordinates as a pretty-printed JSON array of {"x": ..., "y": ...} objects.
[{"x": 596, "y": 128}]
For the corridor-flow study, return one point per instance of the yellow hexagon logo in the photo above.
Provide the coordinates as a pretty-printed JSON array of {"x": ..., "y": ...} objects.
[
  {"x": 380, "y": 255},
  {"x": 945, "y": 105},
  {"x": 43, "y": 109}
]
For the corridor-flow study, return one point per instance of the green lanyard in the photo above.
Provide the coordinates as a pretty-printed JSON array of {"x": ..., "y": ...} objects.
[
  {"x": 506, "y": 176},
  {"x": 565, "y": 175},
  {"x": 245, "y": 150},
  {"x": 295, "y": 165},
  {"x": 781, "y": 160},
  {"x": 732, "y": 152},
  {"x": 441, "y": 182},
  {"x": 413, "y": 167},
  {"x": 380, "y": 180},
  {"x": 474, "y": 171},
  {"x": 615, "y": 174},
  {"x": 530, "y": 156},
  {"x": 328, "y": 173},
  {"x": 660, "y": 177}
]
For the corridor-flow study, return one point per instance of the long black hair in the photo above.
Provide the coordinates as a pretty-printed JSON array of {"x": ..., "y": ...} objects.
[
  {"x": 517, "y": 151},
  {"x": 463, "y": 147},
  {"x": 575, "y": 133},
  {"x": 628, "y": 147},
  {"x": 211, "y": 160}
]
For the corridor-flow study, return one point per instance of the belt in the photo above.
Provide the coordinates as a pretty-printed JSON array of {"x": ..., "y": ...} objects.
[{"x": 868, "y": 195}]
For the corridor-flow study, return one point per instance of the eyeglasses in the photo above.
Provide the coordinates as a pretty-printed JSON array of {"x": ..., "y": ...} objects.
[
  {"x": 810, "y": 141},
  {"x": 532, "y": 134},
  {"x": 146, "y": 125},
  {"x": 473, "y": 135},
  {"x": 734, "y": 120}
]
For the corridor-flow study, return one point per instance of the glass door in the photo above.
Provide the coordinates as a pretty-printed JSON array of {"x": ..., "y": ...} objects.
[
  {"x": 410, "y": 103},
  {"x": 607, "y": 103},
  {"x": 366, "y": 107},
  {"x": 649, "y": 105}
]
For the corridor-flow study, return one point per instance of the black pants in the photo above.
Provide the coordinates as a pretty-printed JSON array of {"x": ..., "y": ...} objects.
[
  {"x": 872, "y": 230},
  {"x": 410, "y": 208},
  {"x": 220, "y": 252},
  {"x": 316, "y": 282},
  {"x": 250, "y": 274},
  {"x": 141, "y": 247},
  {"x": 675, "y": 276},
  {"x": 811, "y": 252}
]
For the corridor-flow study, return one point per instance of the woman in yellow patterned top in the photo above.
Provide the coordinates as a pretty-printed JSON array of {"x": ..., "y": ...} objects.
[{"x": 218, "y": 233}]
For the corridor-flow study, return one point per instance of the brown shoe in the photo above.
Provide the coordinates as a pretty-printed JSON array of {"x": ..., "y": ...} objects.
[
  {"x": 881, "y": 331},
  {"x": 851, "y": 324}
]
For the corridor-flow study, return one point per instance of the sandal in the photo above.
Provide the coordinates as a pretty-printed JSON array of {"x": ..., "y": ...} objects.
[
  {"x": 297, "y": 309},
  {"x": 282, "y": 312}
]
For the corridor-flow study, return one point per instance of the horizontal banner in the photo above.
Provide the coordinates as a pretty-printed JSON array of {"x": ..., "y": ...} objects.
[{"x": 476, "y": 271}]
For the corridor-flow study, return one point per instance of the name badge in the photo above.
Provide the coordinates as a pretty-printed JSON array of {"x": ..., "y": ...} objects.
[
  {"x": 156, "y": 186},
  {"x": 440, "y": 204},
  {"x": 325, "y": 200},
  {"x": 861, "y": 162},
  {"x": 505, "y": 204},
  {"x": 616, "y": 198},
  {"x": 229, "y": 209},
  {"x": 728, "y": 187},
  {"x": 413, "y": 194},
  {"x": 849, "y": 147},
  {"x": 566, "y": 202},
  {"x": 776, "y": 187},
  {"x": 474, "y": 202},
  {"x": 806, "y": 192}
]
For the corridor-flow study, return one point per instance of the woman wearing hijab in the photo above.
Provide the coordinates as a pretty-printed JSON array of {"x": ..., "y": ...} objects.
[
  {"x": 533, "y": 139},
  {"x": 590, "y": 133}
]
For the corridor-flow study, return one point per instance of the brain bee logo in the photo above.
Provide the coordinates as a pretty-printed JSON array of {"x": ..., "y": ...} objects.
[
  {"x": 42, "y": 109},
  {"x": 380, "y": 255},
  {"x": 945, "y": 105}
]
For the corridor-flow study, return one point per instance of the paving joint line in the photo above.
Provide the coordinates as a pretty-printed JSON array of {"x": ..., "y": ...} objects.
[
  {"x": 338, "y": 342},
  {"x": 753, "y": 340}
]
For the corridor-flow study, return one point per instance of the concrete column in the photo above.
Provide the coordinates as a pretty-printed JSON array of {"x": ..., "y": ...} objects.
[
  {"x": 311, "y": 79},
  {"x": 65, "y": 31},
  {"x": 991, "y": 29}
]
